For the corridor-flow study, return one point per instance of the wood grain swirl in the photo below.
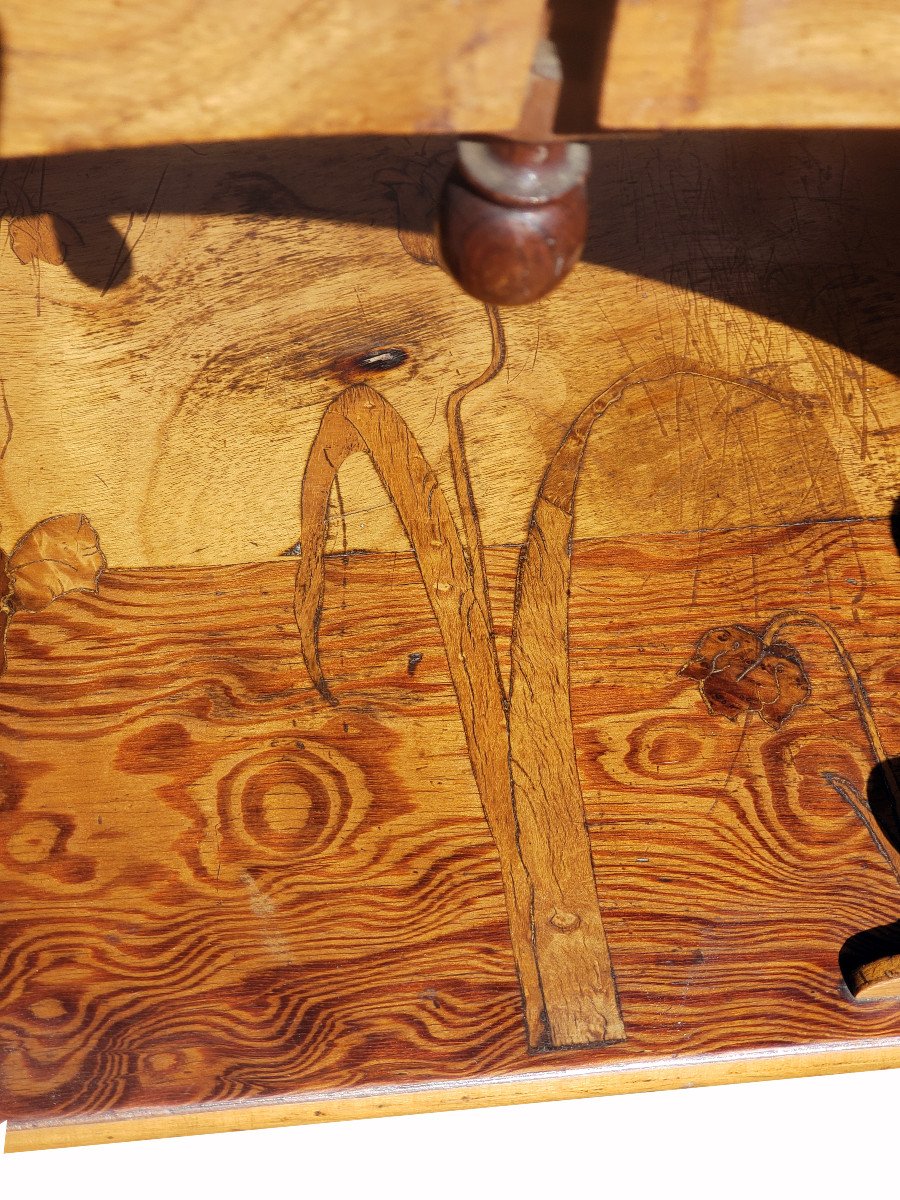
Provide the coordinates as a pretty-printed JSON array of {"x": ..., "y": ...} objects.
[
  {"x": 220, "y": 889},
  {"x": 225, "y": 897}
]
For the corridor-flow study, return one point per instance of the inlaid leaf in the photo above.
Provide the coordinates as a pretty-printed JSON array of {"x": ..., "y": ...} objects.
[
  {"x": 738, "y": 672},
  {"x": 59, "y": 555},
  {"x": 732, "y": 646},
  {"x": 415, "y": 188},
  {"x": 44, "y": 237},
  {"x": 793, "y": 685}
]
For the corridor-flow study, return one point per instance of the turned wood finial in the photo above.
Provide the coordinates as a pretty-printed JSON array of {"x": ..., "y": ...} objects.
[{"x": 513, "y": 214}]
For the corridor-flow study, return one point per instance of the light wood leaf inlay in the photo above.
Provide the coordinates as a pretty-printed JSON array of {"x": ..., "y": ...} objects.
[{"x": 60, "y": 555}]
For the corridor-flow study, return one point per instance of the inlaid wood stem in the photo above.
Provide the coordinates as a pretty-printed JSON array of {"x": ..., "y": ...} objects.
[
  {"x": 796, "y": 619},
  {"x": 360, "y": 419},
  {"x": 879, "y": 979},
  {"x": 523, "y": 761},
  {"x": 569, "y": 939},
  {"x": 462, "y": 479}
]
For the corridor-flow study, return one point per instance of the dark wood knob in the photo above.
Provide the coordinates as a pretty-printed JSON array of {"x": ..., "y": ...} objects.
[{"x": 513, "y": 217}]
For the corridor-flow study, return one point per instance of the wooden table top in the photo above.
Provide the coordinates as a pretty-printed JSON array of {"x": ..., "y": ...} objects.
[{"x": 233, "y": 898}]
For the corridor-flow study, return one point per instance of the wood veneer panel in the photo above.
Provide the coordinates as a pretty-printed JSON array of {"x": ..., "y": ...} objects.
[
  {"x": 709, "y": 64},
  {"x": 94, "y": 73},
  {"x": 167, "y": 379},
  {"x": 220, "y": 890},
  {"x": 226, "y": 890}
]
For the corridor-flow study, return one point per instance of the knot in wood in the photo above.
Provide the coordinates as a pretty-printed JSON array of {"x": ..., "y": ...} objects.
[{"x": 565, "y": 922}]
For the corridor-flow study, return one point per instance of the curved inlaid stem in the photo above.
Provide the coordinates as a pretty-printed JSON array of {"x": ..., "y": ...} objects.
[
  {"x": 459, "y": 463},
  {"x": 360, "y": 419},
  {"x": 568, "y": 927},
  {"x": 793, "y": 618},
  {"x": 880, "y": 978}
]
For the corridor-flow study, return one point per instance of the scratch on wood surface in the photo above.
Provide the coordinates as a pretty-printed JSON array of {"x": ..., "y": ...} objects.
[
  {"x": 125, "y": 251},
  {"x": 7, "y": 416},
  {"x": 122, "y": 255},
  {"x": 155, "y": 195}
]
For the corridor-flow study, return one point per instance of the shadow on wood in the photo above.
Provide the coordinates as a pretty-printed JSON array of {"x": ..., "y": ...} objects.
[{"x": 725, "y": 214}]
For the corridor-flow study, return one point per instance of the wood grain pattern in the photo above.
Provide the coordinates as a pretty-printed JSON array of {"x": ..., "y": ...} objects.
[
  {"x": 724, "y": 64},
  {"x": 220, "y": 300},
  {"x": 234, "y": 892},
  {"x": 223, "y": 890},
  {"x": 127, "y": 75}
]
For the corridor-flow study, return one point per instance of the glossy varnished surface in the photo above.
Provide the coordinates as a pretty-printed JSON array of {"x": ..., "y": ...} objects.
[
  {"x": 223, "y": 889},
  {"x": 264, "y": 842}
]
